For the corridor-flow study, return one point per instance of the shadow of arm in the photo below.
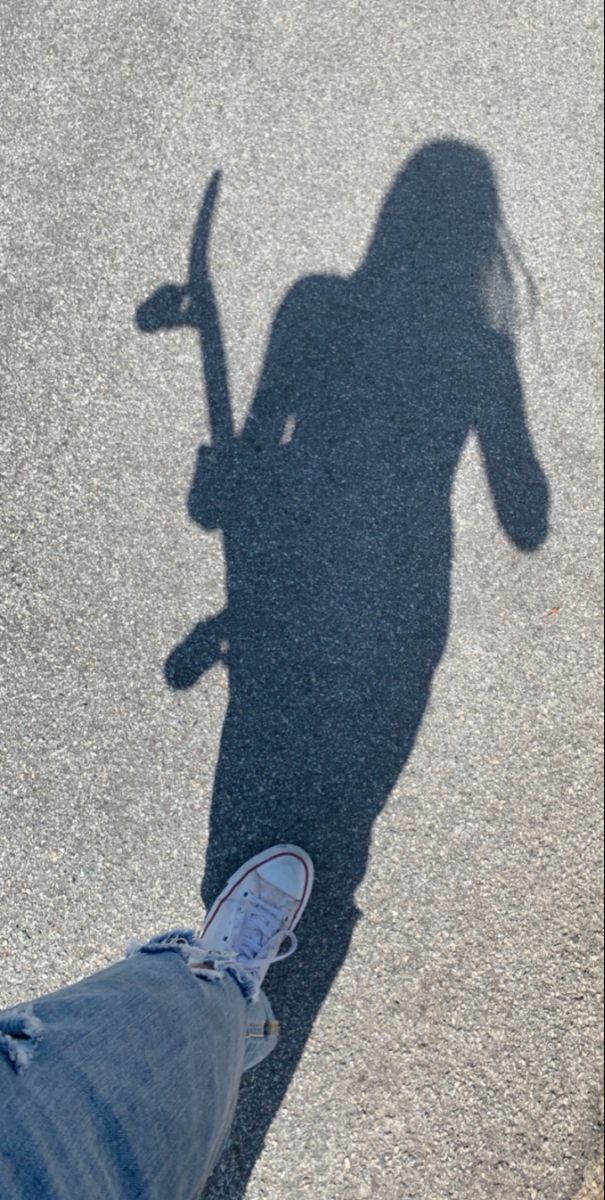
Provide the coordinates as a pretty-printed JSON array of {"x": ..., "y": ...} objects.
[
  {"x": 516, "y": 478},
  {"x": 284, "y": 380}
]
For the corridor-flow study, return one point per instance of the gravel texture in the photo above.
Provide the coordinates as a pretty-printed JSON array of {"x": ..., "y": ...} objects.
[{"x": 402, "y": 554}]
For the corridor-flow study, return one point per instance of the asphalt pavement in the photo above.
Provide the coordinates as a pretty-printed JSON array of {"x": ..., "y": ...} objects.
[{"x": 367, "y": 613}]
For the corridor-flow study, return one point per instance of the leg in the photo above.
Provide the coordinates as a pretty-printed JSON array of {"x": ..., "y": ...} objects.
[{"x": 125, "y": 1084}]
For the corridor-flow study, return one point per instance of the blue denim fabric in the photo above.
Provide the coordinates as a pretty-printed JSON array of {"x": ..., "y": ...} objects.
[{"x": 124, "y": 1085}]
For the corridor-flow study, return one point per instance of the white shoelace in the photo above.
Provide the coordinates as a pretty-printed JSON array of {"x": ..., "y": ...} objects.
[{"x": 262, "y": 932}]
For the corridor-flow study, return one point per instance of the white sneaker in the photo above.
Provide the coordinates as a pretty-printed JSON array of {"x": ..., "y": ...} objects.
[{"x": 253, "y": 919}]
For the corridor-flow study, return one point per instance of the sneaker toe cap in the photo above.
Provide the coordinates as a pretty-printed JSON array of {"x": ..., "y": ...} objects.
[{"x": 287, "y": 871}]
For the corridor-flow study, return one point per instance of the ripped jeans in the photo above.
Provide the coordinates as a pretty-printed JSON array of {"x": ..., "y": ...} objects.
[{"x": 124, "y": 1085}]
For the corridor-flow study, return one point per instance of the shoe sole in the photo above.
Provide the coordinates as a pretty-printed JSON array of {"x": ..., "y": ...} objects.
[{"x": 252, "y": 865}]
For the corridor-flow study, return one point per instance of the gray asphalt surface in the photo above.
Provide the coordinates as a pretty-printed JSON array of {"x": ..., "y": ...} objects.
[{"x": 457, "y": 1054}]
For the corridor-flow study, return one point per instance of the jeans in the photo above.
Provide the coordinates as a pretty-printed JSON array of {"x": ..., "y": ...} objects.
[{"x": 124, "y": 1085}]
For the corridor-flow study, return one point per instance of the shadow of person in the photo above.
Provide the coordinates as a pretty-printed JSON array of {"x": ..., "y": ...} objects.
[{"x": 335, "y": 504}]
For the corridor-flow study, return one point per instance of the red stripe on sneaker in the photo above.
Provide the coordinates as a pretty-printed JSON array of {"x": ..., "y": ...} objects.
[{"x": 250, "y": 872}]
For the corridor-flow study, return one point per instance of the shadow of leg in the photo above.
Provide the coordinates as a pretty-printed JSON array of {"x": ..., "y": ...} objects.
[
  {"x": 297, "y": 991},
  {"x": 323, "y": 794}
]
